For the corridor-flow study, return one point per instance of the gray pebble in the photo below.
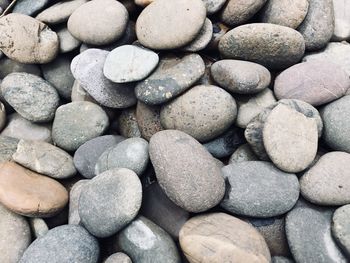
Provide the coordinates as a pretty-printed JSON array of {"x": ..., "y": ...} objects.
[
  {"x": 127, "y": 123},
  {"x": 8, "y": 146},
  {"x": 67, "y": 41},
  {"x": 119, "y": 257},
  {"x": 29, "y": 7},
  {"x": 74, "y": 195},
  {"x": 38, "y": 226},
  {"x": 279, "y": 259},
  {"x": 242, "y": 154},
  {"x": 341, "y": 228},
  {"x": 202, "y": 39},
  {"x": 8, "y": 66}
]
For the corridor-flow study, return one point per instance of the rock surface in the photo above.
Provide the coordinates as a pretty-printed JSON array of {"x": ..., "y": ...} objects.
[{"x": 341, "y": 229}]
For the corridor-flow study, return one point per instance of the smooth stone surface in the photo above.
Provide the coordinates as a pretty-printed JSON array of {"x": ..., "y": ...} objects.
[
  {"x": 240, "y": 76},
  {"x": 274, "y": 46},
  {"x": 341, "y": 20},
  {"x": 213, "y": 109},
  {"x": 67, "y": 41},
  {"x": 74, "y": 195},
  {"x": 328, "y": 181},
  {"x": 92, "y": 80},
  {"x": 131, "y": 153},
  {"x": 242, "y": 154},
  {"x": 91, "y": 24},
  {"x": 148, "y": 119},
  {"x": 341, "y": 228},
  {"x": 28, "y": 193},
  {"x": 127, "y": 123},
  {"x": 79, "y": 94},
  {"x": 318, "y": 25},
  {"x": 192, "y": 179},
  {"x": 218, "y": 237},
  {"x": 8, "y": 66},
  {"x": 279, "y": 259},
  {"x": 179, "y": 23},
  {"x": 44, "y": 158},
  {"x": 247, "y": 182},
  {"x": 8, "y": 146},
  {"x": 15, "y": 233},
  {"x": 144, "y": 242},
  {"x": 213, "y": 6},
  {"x": 119, "y": 257},
  {"x": 29, "y": 7},
  {"x": 77, "y": 122},
  {"x": 202, "y": 39},
  {"x": 104, "y": 213},
  {"x": 129, "y": 63},
  {"x": 38, "y": 226},
  {"x": 31, "y": 96},
  {"x": 40, "y": 44},
  {"x": 63, "y": 244},
  {"x": 172, "y": 77},
  {"x": 315, "y": 82}
]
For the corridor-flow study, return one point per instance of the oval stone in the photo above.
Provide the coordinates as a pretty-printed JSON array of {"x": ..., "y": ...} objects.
[
  {"x": 203, "y": 38},
  {"x": 341, "y": 228},
  {"x": 119, "y": 257},
  {"x": 67, "y": 41},
  {"x": 38, "y": 226}
]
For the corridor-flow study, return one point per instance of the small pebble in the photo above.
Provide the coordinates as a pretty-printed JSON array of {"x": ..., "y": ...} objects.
[
  {"x": 38, "y": 226},
  {"x": 8, "y": 147},
  {"x": 74, "y": 195},
  {"x": 67, "y": 41},
  {"x": 119, "y": 257},
  {"x": 242, "y": 154},
  {"x": 341, "y": 228},
  {"x": 203, "y": 38},
  {"x": 127, "y": 123}
]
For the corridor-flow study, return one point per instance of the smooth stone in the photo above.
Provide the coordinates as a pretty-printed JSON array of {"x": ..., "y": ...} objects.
[
  {"x": 59, "y": 12},
  {"x": 59, "y": 75},
  {"x": 335, "y": 116},
  {"x": 92, "y": 80},
  {"x": 274, "y": 46},
  {"x": 173, "y": 76},
  {"x": 218, "y": 237},
  {"x": 179, "y": 24},
  {"x": 242, "y": 154},
  {"x": 38, "y": 226},
  {"x": 202, "y": 39},
  {"x": 119, "y": 257},
  {"x": 91, "y": 24},
  {"x": 29, "y": 7},
  {"x": 285, "y": 12},
  {"x": 63, "y": 244},
  {"x": 86, "y": 156},
  {"x": 279, "y": 259},
  {"x": 15, "y": 233},
  {"x": 236, "y": 12},
  {"x": 341, "y": 228},
  {"x": 131, "y": 153},
  {"x": 328, "y": 181},
  {"x": 78, "y": 122},
  {"x": 308, "y": 230},
  {"x": 74, "y": 195},
  {"x": 129, "y": 63},
  {"x": 20, "y": 128},
  {"x": 28, "y": 193},
  {"x": 44, "y": 158},
  {"x": 341, "y": 20},
  {"x": 286, "y": 128},
  {"x": 8, "y": 147},
  {"x": 213, "y": 109},
  {"x": 104, "y": 213},
  {"x": 144, "y": 242},
  {"x": 8, "y": 66},
  {"x": 40, "y": 44},
  {"x": 148, "y": 120},
  {"x": 31, "y": 96},
  {"x": 67, "y": 41},
  {"x": 192, "y": 180},
  {"x": 79, "y": 94},
  {"x": 315, "y": 82},
  {"x": 213, "y": 6},
  {"x": 247, "y": 182},
  {"x": 127, "y": 123},
  {"x": 318, "y": 25},
  {"x": 240, "y": 76}
]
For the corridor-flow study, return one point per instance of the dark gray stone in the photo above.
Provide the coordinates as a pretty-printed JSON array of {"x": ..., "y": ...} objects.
[
  {"x": 29, "y": 7},
  {"x": 341, "y": 228}
]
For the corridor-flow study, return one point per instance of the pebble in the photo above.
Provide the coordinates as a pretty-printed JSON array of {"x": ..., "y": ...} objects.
[
  {"x": 341, "y": 20},
  {"x": 104, "y": 213},
  {"x": 77, "y": 122},
  {"x": 131, "y": 153},
  {"x": 40, "y": 44},
  {"x": 119, "y": 257},
  {"x": 74, "y": 195},
  {"x": 202, "y": 39},
  {"x": 129, "y": 63},
  {"x": 192, "y": 179},
  {"x": 28, "y": 193},
  {"x": 8, "y": 146},
  {"x": 67, "y": 243},
  {"x": 31, "y": 96},
  {"x": 247, "y": 182},
  {"x": 219, "y": 30},
  {"x": 79, "y": 94},
  {"x": 8, "y": 66},
  {"x": 144, "y": 242},
  {"x": 241, "y": 77},
  {"x": 213, "y": 109},
  {"x": 44, "y": 158},
  {"x": 328, "y": 181},
  {"x": 38, "y": 226},
  {"x": 67, "y": 41},
  {"x": 29, "y": 7},
  {"x": 91, "y": 24},
  {"x": 173, "y": 76},
  {"x": 341, "y": 229},
  {"x": 179, "y": 24},
  {"x": 275, "y": 46},
  {"x": 213, "y": 6},
  {"x": 16, "y": 237},
  {"x": 217, "y": 236},
  {"x": 279, "y": 259},
  {"x": 127, "y": 123},
  {"x": 242, "y": 154},
  {"x": 148, "y": 120}
]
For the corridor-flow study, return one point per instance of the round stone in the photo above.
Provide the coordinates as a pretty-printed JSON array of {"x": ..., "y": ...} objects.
[
  {"x": 218, "y": 237},
  {"x": 98, "y": 22},
  {"x": 129, "y": 63},
  {"x": 242, "y": 154},
  {"x": 244, "y": 181},
  {"x": 27, "y": 40},
  {"x": 28, "y": 193},
  {"x": 192, "y": 179},
  {"x": 274, "y": 46},
  {"x": 148, "y": 119},
  {"x": 31, "y": 96},
  {"x": 341, "y": 228},
  {"x": 213, "y": 6},
  {"x": 67, "y": 41},
  {"x": 179, "y": 23},
  {"x": 76, "y": 123},
  {"x": 341, "y": 20},
  {"x": 213, "y": 109},
  {"x": 202, "y": 39},
  {"x": 119, "y": 257},
  {"x": 74, "y": 195}
]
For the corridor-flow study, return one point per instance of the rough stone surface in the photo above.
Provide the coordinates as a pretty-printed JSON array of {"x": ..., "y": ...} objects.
[
  {"x": 202, "y": 39},
  {"x": 341, "y": 228},
  {"x": 341, "y": 20},
  {"x": 8, "y": 146},
  {"x": 148, "y": 119},
  {"x": 74, "y": 195}
]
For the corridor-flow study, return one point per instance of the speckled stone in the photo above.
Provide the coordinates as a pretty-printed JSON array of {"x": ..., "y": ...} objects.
[
  {"x": 242, "y": 154},
  {"x": 341, "y": 228},
  {"x": 119, "y": 257},
  {"x": 38, "y": 226},
  {"x": 148, "y": 119},
  {"x": 74, "y": 195},
  {"x": 8, "y": 146},
  {"x": 127, "y": 123},
  {"x": 202, "y": 39}
]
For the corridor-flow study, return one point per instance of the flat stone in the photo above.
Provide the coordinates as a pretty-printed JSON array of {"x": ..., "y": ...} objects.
[
  {"x": 242, "y": 154},
  {"x": 148, "y": 119},
  {"x": 179, "y": 24},
  {"x": 173, "y": 76},
  {"x": 127, "y": 123},
  {"x": 104, "y": 213},
  {"x": 38, "y": 226},
  {"x": 67, "y": 41},
  {"x": 217, "y": 236},
  {"x": 275, "y": 46},
  {"x": 193, "y": 179},
  {"x": 341, "y": 228},
  {"x": 247, "y": 182},
  {"x": 8, "y": 146},
  {"x": 63, "y": 244},
  {"x": 213, "y": 6},
  {"x": 74, "y": 195},
  {"x": 29, "y": 7},
  {"x": 341, "y": 20},
  {"x": 202, "y": 39},
  {"x": 213, "y": 109},
  {"x": 119, "y": 257},
  {"x": 8, "y": 66}
]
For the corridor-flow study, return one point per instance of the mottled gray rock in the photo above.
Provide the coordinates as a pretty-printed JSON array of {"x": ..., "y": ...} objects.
[
  {"x": 38, "y": 226},
  {"x": 67, "y": 41},
  {"x": 127, "y": 123},
  {"x": 279, "y": 259},
  {"x": 242, "y": 154},
  {"x": 8, "y": 146},
  {"x": 119, "y": 257},
  {"x": 74, "y": 195},
  {"x": 341, "y": 228},
  {"x": 341, "y": 20},
  {"x": 213, "y": 6},
  {"x": 148, "y": 119},
  {"x": 8, "y": 66},
  {"x": 202, "y": 39},
  {"x": 29, "y": 7}
]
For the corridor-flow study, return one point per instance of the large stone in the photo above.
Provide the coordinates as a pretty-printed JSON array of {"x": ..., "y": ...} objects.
[
  {"x": 341, "y": 20},
  {"x": 341, "y": 228}
]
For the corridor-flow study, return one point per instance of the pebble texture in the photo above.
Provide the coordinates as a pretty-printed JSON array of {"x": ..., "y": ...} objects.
[
  {"x": 8, "y": 147},
  {"x": 341, "y": 228},
  {"x": 67, "y": 41}
]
